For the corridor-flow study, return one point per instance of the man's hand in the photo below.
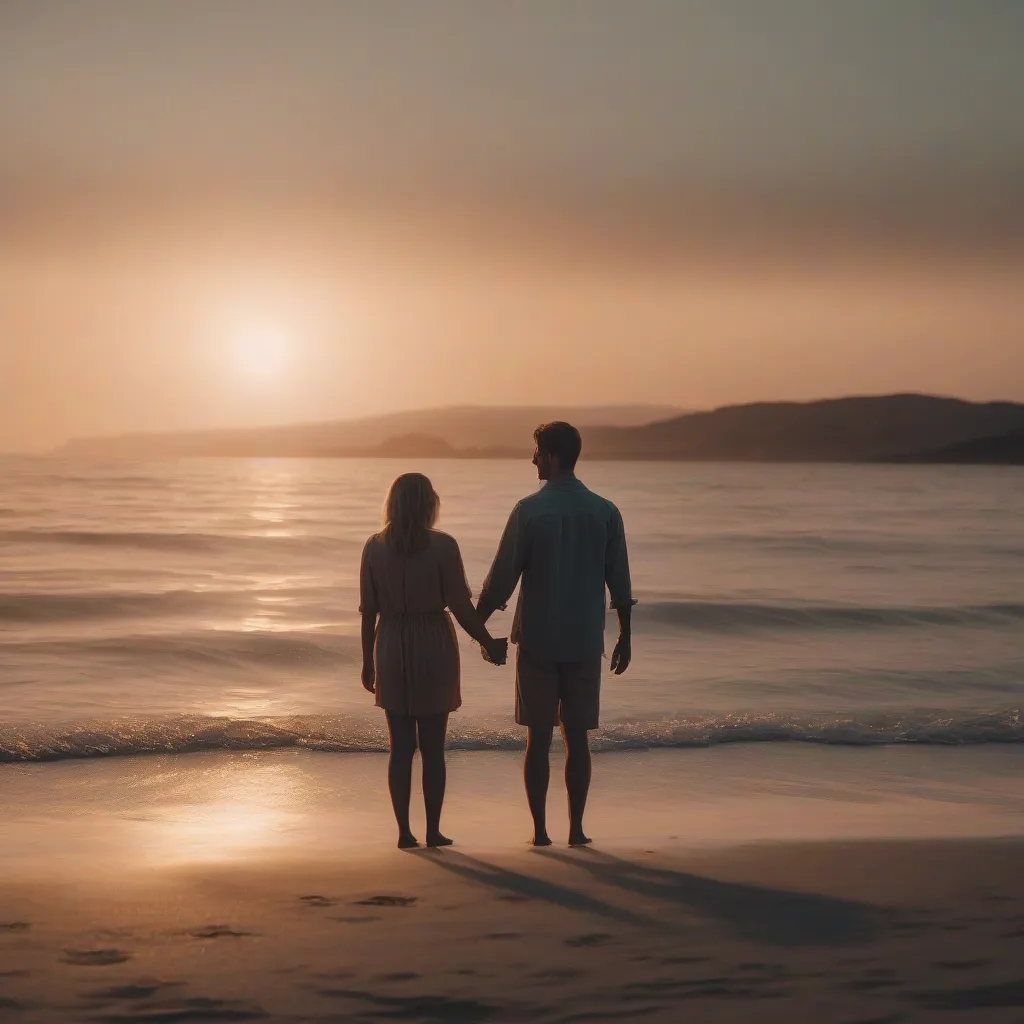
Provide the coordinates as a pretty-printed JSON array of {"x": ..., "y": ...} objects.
[
  {"x": 498, "y": 652},
  {"x": 621, "y": 656},
  {"x": 368, "y": 677}
]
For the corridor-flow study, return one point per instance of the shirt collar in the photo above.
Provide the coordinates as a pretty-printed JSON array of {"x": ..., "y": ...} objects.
[{"x": 564, "y": 482}]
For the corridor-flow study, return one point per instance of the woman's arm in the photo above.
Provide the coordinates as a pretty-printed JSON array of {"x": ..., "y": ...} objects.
[
  {"x": 369, "y": 635},
  {"x": 369, "y": 611},
  {"x": 471, "y": 620},
  {"x": 459, "y": 599},
  {"x": 473, "y": 623}
]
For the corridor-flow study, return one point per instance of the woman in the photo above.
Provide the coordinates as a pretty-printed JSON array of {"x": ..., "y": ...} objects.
[{"x": 410, "y": 573}]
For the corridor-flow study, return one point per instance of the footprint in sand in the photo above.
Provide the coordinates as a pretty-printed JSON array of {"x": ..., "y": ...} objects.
[
  {"x": 871, "y": 984},
  {"x": 317, "y": 901},
  {"x": 558, "y": 974},
  {"x": 139, "y": 990},
  {"x": 218, "y": 931},
  {"x": 94, "y": 957},
  {"x": 981, "y": 997},
  {"x": 192, "y": 1008},
  {"x": 590, "y": 939},
  {"x": 387, "y": 901}
]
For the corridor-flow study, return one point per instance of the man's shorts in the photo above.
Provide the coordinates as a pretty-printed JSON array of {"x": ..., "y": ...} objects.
[{"x": 550, "y": 693}]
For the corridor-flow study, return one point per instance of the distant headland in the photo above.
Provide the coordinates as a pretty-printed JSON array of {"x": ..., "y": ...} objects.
[{"x": 888, "y": 428}]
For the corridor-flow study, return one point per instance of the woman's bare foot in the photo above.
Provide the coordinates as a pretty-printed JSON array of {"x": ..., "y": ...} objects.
[
  {"x": 540, "y": 840},
  {"x": 407, "y": 841},
  {"x": 579, "y": 839},
  {"x": 436, "y": 839}
]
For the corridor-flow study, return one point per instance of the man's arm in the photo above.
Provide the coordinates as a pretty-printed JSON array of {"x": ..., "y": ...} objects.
[
  {"x": 506, "y": 568},
  {"x": 622, "y": 654},
  {"x": 616, "y": 574}
]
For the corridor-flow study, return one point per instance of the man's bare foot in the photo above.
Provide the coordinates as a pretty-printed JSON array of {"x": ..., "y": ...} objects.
[
  {"x": 540, "y": 840},
  {"x": 439, "y": 840},
  {"x": 579, "y": 839},
  {"x": 407, "y": 841}
]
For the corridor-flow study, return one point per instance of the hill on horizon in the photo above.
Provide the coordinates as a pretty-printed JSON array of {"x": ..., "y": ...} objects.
[
  {"x": 458, "y": 427},
  {"x": 883, "y": 428}
]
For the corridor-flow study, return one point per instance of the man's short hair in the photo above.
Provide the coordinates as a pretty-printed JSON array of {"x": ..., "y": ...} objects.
[{"x": 561, "y": 440}]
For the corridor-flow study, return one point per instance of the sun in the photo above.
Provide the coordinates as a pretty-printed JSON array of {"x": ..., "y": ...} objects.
[{"x": 261, "y": 350}]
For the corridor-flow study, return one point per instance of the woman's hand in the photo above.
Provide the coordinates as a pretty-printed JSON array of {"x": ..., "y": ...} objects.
[
  {"x": 496, "y": 650},
  {"x": 368, "y": 676}
]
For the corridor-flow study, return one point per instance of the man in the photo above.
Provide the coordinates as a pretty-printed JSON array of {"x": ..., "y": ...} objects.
[{"x": 567, "y": 544}]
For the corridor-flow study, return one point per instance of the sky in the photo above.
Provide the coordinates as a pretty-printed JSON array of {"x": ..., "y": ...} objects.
[{"x": 244, "y": 212}]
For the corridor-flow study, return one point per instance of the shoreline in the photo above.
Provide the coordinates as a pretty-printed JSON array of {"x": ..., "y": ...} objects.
[
  {"x": 357, "y": 731},
  {"x": 112, "y": 815}
]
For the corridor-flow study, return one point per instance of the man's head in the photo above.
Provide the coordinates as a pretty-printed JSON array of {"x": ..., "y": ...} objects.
[{"x": 558, "y": 447}]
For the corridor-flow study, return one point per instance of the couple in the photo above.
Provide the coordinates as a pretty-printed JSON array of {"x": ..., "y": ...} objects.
[{"x": 567, "y": 545}]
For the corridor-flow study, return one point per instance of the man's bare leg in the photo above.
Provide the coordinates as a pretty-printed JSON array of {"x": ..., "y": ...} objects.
[
  {"x": 536, "y": 772},
  {"x": 577, "y": 781}
]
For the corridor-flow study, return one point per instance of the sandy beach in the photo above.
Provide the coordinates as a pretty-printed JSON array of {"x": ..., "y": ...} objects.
[
  {"x": 850, "y": 932},
  {"x": 156, "y": 890}
]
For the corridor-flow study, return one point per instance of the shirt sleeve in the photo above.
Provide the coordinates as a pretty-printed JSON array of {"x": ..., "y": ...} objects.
[
  {"x": 368, "y": 603},
  {"x": 454, "y": 587},
  {"x": 616, "y": 564},
  {"x": 508, "y": 563}
]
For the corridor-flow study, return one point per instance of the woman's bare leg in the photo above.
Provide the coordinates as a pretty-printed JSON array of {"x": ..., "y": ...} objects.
[
  {"x": 432, "y": 732},
  {"x": 402, "y": 730}
]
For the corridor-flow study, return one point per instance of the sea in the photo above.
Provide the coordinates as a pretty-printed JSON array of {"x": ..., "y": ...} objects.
[{"x": 211, "y": 605}]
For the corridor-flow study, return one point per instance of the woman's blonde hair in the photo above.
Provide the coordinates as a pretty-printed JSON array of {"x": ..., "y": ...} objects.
[{"x": 410, "y": 513}]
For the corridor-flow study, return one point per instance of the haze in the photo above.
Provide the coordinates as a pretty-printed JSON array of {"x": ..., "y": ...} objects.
[{"x": 245, "y": 213}]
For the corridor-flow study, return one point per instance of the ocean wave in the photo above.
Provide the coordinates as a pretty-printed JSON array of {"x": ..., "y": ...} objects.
[
  {"x": 878, "y": 546},
  {"x": 699, "y": 616},
  {"x": 356, "y": 734},
  {"x": 180, "y": 542},
  {"x": 57, "y": 606},
  {"x": 219, "y": 648},
  {"x": 739, "y": 617},
  {"x": 797, "y": 542}
]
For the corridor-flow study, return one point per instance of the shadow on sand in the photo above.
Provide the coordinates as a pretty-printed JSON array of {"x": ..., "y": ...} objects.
[
  {"x": 775, "y": 917},
  {"x": 529, "y": 886}
]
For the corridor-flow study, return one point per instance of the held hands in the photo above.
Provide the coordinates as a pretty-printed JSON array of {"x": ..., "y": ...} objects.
[
  {"x": 368, "y": 677},
  {"x": 621, "y": 655},
  {"x": 495, "y": 652}
]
